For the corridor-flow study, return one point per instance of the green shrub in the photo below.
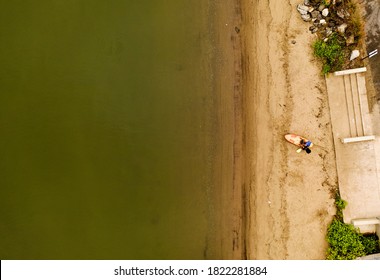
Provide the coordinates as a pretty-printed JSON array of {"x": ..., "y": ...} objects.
[
  {"x": 371, "y": 244},
  {"x": 330, "y": 52},
  {"x": 345, "y": 242},
  {"x": 340, "y": 205}
]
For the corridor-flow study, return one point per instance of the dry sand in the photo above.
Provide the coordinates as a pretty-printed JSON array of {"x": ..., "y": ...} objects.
[{"x": 289, "y": 195}]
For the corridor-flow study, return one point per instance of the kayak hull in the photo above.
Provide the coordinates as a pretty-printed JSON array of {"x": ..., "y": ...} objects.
[{"x": 295, "y": 139}]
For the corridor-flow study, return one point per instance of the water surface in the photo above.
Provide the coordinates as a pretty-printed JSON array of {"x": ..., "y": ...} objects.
[{"x": 107, "y": 121}]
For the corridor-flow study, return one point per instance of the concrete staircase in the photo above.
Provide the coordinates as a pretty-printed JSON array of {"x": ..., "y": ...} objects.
[
  {"x": 356, "y": 160},
  {"x": 356, "y": 103}
]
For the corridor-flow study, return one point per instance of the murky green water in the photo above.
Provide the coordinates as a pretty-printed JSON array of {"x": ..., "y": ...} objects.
[{"x": 107, "y": 124}]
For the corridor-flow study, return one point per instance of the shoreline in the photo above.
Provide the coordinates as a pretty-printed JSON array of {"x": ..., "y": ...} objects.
[{"x": 229, "y": 237}]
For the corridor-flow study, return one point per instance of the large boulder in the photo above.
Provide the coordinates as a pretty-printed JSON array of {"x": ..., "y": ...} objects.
[
  {"x": 306, "y": 17},
  {"x": 302, "y": 9},
  {"x": 315, "y": 14}
]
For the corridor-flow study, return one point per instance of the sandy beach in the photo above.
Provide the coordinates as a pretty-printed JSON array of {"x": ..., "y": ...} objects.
[{"x": 289, "y": 201}]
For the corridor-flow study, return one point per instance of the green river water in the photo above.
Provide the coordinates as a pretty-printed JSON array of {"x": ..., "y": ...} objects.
[{"x": 108, "y": 128}]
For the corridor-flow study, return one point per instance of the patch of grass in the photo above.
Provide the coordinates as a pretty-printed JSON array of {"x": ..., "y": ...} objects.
[
  {"x": 331, "y": 52},
  {"x": 357, "y": 24}
]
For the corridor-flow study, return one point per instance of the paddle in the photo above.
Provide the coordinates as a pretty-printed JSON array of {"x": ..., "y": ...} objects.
[{"x": 307, "y": 150}]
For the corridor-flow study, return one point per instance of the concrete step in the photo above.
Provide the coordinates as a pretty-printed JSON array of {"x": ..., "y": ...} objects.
[
  {"x": 362, "y": 92},
  {"x": 354, "y": 104},
  {"x": 352, "y": 85}
]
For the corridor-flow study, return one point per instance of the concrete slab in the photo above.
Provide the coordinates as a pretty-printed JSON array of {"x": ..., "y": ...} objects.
[
  {"x": 357, "y": 139},
  {"x": 357, "y": 163},
  {"x": 350, "y": 71},
  {"x": 370, "y": 257}
]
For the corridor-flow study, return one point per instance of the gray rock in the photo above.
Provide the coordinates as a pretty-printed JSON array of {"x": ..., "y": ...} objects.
[
  {"x": 302, "y": 9},
  {"x": 354, "y": 54},
  {"x": 342, "y": 28},
  {"x": 313, "y": 29},
  {"x": 321, "y": 7},
  {"x": 306, "y": 2},
  {"x": 314, "y": 14},
  {"x": 340, "y": 13},
  {"x": 328, "y": 31},
  {"x": 350, "y": 40},
  {"x": 322, "y": 22},
  {"x": 325, "y": 12},
  {"x": 306, "y": 17}
]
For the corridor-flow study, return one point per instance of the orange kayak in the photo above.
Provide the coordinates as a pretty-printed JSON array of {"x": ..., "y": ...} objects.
[{"x": 296, "y": 140}]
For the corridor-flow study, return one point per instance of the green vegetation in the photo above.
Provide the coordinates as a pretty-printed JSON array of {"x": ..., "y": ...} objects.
[
  {"x": 331, "y": 52},
  {"x": 371, "y": 243},
  {"x": 326, "y": 3},
  {"x": 339, "y": 34},
  {"x": 357, "y": 24},
  {"x": 340, "y": 205},
  {"x": 345, "y": 241}
]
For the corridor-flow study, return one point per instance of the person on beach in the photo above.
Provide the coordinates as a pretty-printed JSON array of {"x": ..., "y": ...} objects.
[{"x": 305, "y": 145}]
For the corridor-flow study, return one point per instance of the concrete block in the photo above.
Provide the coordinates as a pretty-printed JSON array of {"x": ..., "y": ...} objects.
[
  {"x": 357, "y": 139},
  {"x": 363, "y": 222},
  {"x": 350, "y": 71}
]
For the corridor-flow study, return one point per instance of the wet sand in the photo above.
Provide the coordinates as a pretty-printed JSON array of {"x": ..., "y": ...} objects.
[{"x": 227, "y": 237}]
